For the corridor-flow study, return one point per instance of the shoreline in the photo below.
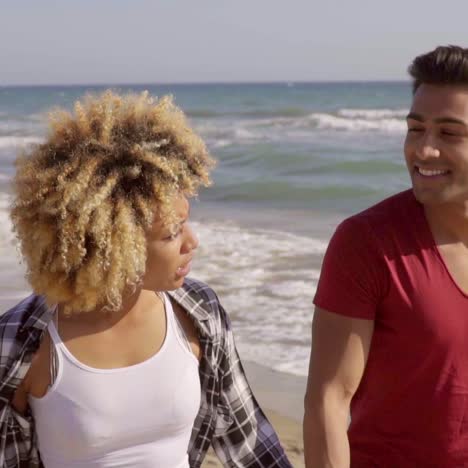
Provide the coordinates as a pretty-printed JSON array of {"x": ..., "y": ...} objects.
[{"x": 279, "y": 392}]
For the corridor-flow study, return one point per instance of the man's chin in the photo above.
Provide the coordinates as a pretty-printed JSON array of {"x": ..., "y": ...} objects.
[
  {"x": 429, "y": 197},
  {"x": 439, "y": 198}
]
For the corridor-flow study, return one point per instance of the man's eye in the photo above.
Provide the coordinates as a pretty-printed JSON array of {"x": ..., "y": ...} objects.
[
  {"x": 448, "y": 133},
  {"x": 415, "y": 130}
]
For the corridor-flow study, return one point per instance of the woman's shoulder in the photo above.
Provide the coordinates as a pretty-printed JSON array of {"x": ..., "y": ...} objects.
[
  {"x": 31, "y": 314},
  {"x": 16, "y": 317},
  {"x": 202, "y": 303},
  {"x": 17, "y": 325},
  {"x": 198, "y": 289}
]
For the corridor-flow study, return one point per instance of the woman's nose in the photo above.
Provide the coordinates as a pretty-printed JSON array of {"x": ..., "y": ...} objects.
[{"x": 191, "y": 239}]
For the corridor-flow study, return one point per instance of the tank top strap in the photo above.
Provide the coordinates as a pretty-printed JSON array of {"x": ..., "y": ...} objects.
[
  {"x": 173, "y": 329},
  {"x": 175, "y": 324},
  {"x": 54, "y": 340},
  {"x": 52, "y": 327}
]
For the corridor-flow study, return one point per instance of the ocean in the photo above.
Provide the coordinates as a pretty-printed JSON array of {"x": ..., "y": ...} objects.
[{"x": 294, "y": 159}]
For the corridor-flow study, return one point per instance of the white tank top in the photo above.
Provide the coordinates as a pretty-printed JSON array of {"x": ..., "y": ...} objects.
[{"x": 133, "y": 417}]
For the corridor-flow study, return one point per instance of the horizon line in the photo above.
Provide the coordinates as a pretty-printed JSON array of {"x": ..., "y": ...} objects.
[{"x": 192, "y": 83}]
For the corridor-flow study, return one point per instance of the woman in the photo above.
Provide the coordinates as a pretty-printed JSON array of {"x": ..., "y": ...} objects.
[{"x": 117, "y": 359}]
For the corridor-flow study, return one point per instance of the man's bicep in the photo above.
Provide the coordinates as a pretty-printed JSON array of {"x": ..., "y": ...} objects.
[{"x": 340, "y": 346}]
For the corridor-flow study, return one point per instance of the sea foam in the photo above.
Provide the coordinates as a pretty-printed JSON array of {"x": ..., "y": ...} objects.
[
  {"x": 266, "y": 280},
  {"x": 6, "y": 234},
  {"x": 16, "y": 141},
  {"x": 373, "y": 114}
]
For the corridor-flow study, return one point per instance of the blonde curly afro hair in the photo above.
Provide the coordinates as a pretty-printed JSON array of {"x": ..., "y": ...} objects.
[{"x": 85, "y": 199}]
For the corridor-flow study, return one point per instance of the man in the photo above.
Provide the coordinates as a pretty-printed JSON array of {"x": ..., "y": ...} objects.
[{"x": 390, "y": 329}]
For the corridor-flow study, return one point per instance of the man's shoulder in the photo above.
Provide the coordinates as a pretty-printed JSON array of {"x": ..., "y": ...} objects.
[
  {"x": 385, "y": 216},
  {"x": 389, "y": 209},
  {"x": 383, "y": 226}
]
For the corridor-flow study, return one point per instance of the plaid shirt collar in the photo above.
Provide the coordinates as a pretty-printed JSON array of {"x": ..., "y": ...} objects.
[
  {"x": 40, "y": 317},
  {"x": 196, "y": 308}
]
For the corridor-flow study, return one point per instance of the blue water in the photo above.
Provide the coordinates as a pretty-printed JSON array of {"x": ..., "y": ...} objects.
[{"x": 293, "y": 159}]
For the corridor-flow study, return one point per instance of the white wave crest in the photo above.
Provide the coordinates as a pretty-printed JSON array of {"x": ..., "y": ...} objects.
[
  {"x": 18, "y": 142},
  {"x": 331, "y": 122},
  {"x": 250, "y": 131},
  {"x": 6, "y": 234},
  {"x": 373, "y": 114},
  {"x": 266, "y": 280}
]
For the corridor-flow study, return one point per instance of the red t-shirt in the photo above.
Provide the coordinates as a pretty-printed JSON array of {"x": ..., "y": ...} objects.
[{"x": 410, "y": 410}]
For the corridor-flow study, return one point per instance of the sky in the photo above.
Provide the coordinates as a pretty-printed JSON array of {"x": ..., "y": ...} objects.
[{"x": 191, "y": 41}]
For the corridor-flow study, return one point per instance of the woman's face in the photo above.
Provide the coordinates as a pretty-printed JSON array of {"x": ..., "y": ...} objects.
[{"x": 170, "y": 250}]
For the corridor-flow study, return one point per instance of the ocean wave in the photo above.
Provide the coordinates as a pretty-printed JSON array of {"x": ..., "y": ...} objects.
[
  {"x": 22, "y": 118},
  {"x": 363, "y": 166},
  {"x": 221, "y": 143},
  {"x": 266, "y": 280},
  {"x": 298, "y": 366},
  {"x": 281, "y": 112},
  {"x": 203, "y": 113},
  {"x": 291, "y": 115},
  {"x": 6, "y": 233},
  {"x": 332, "y": 122},
  {"x": 373, "y": 114},
  {"x": 254, "y": 113},
  {"x": 16, "y": 141},
  {"x": 248, "y": 131}
]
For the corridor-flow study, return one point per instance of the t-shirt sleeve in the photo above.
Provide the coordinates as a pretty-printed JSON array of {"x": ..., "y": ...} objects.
[{"x": 352, "y": 279}]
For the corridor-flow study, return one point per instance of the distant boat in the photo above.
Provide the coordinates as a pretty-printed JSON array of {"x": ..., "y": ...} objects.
[{"x": 290, "y": 84}]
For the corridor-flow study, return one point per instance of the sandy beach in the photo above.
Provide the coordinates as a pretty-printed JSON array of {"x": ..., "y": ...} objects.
[{"x": 281, "y": 397}]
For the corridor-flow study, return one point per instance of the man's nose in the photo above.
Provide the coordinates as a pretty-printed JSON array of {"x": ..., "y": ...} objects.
[{"x": 428, "y": 148}]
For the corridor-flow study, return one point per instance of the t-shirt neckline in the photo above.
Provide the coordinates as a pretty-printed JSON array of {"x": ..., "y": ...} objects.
[{"x": 434, "y": 246}]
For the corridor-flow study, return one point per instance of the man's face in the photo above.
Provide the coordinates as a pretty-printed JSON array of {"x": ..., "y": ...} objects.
[{"x": 436, "y": 145}]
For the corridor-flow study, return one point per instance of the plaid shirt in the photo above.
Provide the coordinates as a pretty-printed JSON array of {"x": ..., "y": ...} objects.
[{"x": 229, "y": 416}]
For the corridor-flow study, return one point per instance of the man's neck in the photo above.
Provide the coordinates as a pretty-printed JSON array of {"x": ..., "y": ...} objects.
[{"x": 448, "y": 222}]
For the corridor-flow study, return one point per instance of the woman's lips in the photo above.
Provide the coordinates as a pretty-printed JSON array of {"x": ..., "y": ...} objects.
[{"x": 184, "y": 270}]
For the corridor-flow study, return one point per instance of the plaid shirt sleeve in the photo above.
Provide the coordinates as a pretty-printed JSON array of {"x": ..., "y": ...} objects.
[
  {"x": 246, "y": 438},
  {"x": 17, "y": 439}
]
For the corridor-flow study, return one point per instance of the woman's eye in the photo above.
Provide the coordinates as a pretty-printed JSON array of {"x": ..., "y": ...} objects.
[
  {"x": 415, "y": 130},
  {"x": 174, "y": 235}
]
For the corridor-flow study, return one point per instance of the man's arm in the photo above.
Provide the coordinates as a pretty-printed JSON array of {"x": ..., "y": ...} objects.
[{"x": 340, "y": 346}]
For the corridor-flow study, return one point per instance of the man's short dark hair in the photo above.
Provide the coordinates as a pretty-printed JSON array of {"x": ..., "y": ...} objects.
[{"x": 445, "y": 65}]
